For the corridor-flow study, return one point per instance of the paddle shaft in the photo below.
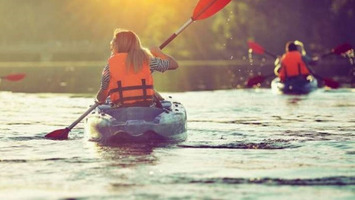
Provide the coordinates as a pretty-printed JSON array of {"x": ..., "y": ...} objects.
[
  {"x": 83, "y": 116},
  {"x": 173, "y": 36},
  {"x": 198, "y": 14},
  {"x": 326, "y": 54},
  {"x": 270, "y": 54}
]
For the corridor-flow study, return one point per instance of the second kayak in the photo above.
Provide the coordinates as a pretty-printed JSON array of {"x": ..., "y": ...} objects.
[{"x": 296, "y": 85}]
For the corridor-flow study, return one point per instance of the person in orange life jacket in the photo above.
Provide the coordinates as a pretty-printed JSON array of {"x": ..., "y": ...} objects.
[
  {"x": 291, "y": 64},
  {"x": 127, "y": 77}
]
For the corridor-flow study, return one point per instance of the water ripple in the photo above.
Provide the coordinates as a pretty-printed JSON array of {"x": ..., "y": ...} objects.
[
  {"x": 326, "y": 181},
  {"x": 261, "y": 145}
]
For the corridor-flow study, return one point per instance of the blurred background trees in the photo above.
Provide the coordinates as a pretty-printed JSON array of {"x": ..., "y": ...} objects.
[{"x": 82, "y": 29}]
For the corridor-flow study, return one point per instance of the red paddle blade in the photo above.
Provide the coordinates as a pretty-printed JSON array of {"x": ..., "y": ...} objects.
[
  {"x": 341, "y": 48},
  {"x": 61, "y": 134},
  {"x": 255, "y": 80},
  {"x": 331, "y": 83},
  {"x": 256, "y": 47},
  {"x": 207, "y": 8},
  {"x": 14, "y": 77}
]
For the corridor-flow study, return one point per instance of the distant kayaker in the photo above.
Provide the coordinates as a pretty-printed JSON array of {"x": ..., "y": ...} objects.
[
  {"x": 292, "y": 63},
  {"x": 127, "y": 77}
]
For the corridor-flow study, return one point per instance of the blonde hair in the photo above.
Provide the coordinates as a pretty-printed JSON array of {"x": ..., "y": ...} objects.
[
  {"x": 125, "y": 41},
  {"x": 300, "y": 47}
]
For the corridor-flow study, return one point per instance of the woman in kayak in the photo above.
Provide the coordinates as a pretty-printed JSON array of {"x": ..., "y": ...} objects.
[
  {"x": 127, "y": 77},
  {"x": 292, "y": 63}
]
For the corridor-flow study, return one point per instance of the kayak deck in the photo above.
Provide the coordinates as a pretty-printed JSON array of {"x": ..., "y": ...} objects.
[{"x": 137, "y": 124}]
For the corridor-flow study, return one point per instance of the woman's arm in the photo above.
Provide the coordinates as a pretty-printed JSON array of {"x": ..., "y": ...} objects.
[
  {"x": 105, "y": 79},
  {"x": 277, "y": 64},
  {"x": 101, "y": 96},
  {"x": 156, "y": 52}
]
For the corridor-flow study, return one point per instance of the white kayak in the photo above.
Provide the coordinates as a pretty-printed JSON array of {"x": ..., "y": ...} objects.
[{"x": 137, "y": 124}]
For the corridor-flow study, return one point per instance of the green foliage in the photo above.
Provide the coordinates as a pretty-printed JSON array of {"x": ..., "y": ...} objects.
[{"x": 85, "y": 23}]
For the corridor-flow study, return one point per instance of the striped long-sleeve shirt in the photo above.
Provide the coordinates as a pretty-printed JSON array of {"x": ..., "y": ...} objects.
[{"x": 155, "y": 64}]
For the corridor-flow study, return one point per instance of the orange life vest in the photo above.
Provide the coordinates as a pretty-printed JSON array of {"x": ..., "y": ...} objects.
[
  {"x": 292, "y": 65},
  {"x": 127, "y": 86}
]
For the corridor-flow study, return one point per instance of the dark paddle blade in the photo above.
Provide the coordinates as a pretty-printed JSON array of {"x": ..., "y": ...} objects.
[
  {"x": 341, "y": 48},
  {"x": 61, "y": 134},
  {"x": 331, "y": 83},
  {"x": 255, "y": 80},
  {"x": 256, "y": 47},
  {"x": 258, "y": 80},
  {"x": 14, "y": 77},
  {"x": 207, "y": 8}
]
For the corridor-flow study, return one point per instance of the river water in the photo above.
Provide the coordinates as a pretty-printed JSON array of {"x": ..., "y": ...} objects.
[{"x": 242, "y": 144}]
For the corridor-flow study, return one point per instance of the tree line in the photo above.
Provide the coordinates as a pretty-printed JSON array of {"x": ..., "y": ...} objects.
[{"x": 320, "y": 24}]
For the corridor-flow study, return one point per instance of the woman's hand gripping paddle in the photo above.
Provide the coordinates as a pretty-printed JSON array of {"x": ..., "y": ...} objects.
[{"x": 203, "y": 9}]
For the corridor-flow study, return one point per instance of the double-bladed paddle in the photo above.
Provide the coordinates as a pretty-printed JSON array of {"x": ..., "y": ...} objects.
[
  {"x": 258, "y": 49},
  {"x": 203, "y": 10},
  {"x": 13, "y": 77}
]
